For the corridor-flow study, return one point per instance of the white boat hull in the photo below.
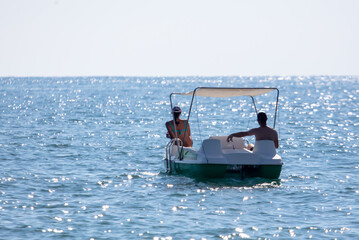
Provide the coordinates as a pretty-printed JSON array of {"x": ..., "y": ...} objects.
[{"x": 217, "y": 158}]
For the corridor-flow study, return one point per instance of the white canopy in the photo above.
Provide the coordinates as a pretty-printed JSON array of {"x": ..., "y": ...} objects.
[{"x": 228, "y": 92}]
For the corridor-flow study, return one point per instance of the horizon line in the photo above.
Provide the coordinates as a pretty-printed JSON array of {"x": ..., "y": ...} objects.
[{"x": 174, "y": 76}]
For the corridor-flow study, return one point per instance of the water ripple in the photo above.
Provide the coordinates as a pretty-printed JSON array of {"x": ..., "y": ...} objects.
[{"x": 81, "y": 158}]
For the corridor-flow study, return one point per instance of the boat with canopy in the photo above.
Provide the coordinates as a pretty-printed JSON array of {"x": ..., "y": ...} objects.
[{"x": 218, "y": 158}]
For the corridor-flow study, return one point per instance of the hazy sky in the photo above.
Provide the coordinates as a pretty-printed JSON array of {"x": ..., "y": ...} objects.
[{"x": 187, "y": 37}]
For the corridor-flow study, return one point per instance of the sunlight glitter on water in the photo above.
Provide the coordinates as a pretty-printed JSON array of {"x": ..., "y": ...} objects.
[{"x": 82, "y": 158}]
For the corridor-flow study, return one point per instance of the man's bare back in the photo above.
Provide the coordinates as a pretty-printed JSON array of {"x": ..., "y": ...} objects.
[
  {"x": 262, "y": 133},
  {"x": 265, "y": 133}
]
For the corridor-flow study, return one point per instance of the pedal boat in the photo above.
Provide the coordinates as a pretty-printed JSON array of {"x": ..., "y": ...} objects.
[{"x": 218, "y": 158}]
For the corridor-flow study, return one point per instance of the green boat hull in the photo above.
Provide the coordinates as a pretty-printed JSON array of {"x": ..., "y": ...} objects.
[
  {"x": 223, "y": 170},
  {"x": 200, "y": 170},
  {"x": 263, "y": 171}
]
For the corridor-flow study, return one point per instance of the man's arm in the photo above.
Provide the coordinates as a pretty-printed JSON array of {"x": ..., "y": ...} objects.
[{"x": 240, "y": 134}]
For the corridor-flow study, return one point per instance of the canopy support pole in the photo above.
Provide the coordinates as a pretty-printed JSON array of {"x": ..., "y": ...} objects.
[
  {"x": 276, "y": 108},
  {"x": 189, "y": 114},
  {"x": 174, "y": 120},
  {"x": 254, "y": 104}
]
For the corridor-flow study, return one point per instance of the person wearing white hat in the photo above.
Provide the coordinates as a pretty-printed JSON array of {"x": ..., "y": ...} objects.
[{"x": 179, "y": 126}]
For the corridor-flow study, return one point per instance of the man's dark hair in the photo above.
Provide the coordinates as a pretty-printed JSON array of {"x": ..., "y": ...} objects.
[{"x": 262, "y": 118}]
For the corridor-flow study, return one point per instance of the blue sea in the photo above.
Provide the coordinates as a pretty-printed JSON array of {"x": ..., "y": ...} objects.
[{"x": 82, "y": 158}]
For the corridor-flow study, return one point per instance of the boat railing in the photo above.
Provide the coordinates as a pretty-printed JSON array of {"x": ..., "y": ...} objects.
[{"x": 169, "y": 152}]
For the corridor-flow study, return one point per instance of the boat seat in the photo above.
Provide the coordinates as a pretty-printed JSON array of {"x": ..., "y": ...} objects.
[
  {"x": 265, "y": 147},
  {"x": 238, "y": 143},
  {"x": 176, "y": 149},
  {"x": 212, "y": 150}
]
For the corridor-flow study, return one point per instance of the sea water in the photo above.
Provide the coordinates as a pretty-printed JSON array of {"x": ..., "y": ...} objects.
[{"x": 82, "y": 158}]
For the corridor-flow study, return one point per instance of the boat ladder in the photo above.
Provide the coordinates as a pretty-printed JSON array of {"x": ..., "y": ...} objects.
[{"x": 169, "y": 149}]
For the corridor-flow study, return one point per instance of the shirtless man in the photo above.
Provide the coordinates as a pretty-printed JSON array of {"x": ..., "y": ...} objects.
[
  {"x": 262, "y": 133},
  {"x": 182, "y": 128}
]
